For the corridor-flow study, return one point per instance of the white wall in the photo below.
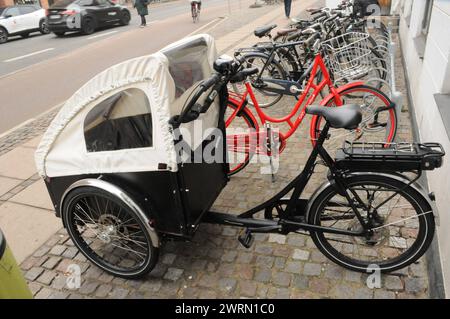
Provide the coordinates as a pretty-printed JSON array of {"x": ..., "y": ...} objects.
[{"x": 428, "y": 77}]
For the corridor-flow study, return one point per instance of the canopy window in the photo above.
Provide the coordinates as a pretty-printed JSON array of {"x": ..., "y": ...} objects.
[{"x": 121, "y": 121}]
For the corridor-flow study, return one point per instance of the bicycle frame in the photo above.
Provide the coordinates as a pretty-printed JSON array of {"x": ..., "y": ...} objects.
[
  {"x": 291, "y": 119},
  {"x": 297, "y": 186}
]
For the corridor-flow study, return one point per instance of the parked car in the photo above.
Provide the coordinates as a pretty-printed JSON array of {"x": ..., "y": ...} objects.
[
  {"x": 21, "y": 20},
  {"x": 85, "y": 15}
]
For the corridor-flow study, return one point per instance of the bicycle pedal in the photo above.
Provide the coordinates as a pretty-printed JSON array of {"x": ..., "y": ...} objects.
[{"x": 246, "y": 239}]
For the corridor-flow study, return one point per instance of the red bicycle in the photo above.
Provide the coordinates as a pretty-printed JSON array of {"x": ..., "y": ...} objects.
[{"x": 245, "y": 138}]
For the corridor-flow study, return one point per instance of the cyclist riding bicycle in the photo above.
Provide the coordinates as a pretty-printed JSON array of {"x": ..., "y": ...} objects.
[{"x": 197, "y": 2}]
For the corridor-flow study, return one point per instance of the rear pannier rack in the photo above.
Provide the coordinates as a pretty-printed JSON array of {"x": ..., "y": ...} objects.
[{"x": 390, "y": 156}]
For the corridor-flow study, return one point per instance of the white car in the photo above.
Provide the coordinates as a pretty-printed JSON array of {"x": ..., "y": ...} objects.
[{"x": 22, "y": 20}]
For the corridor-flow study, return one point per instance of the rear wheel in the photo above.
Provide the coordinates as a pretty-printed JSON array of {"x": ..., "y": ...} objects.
[
  {"x": 125, "y": 19},
  {"x": 402, "y": 224},
  {"x": 43, "y": 27},
  {"x": 376, "y": 126},
  {"x": 108, "y": 232},
  {"x": 88, "y": 26},
  {"x": 3, "y": 35}
]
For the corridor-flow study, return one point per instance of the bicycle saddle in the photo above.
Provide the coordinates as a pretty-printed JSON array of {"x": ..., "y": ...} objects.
[
  {"x": 345, "y": 116},
  {"x": 264, "y": 30}
]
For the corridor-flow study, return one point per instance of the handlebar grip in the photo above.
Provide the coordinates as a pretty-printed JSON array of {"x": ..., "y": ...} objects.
[{"x": 210, "y": 82}]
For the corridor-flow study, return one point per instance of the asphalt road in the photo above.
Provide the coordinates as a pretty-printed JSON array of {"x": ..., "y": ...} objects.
[{"x": 42, "y": 71}]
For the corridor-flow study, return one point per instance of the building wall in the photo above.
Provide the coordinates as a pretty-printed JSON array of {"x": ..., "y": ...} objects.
[{"x": 429, "y": 74}]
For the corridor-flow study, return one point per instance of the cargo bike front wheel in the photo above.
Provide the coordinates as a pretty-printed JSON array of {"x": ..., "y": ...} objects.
[{"x": 109, "y": 233}]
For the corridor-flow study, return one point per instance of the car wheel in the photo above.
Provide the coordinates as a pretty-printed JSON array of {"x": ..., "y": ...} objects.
[
  {"x": 25, "y": 35},
  {"x": 3, "y": 35},
  {"x": 43, "y": 27},
  {"x": 59, "y": 33},
  {"x": 125, "y": 19},
  {"x": 88, "y": 26}
]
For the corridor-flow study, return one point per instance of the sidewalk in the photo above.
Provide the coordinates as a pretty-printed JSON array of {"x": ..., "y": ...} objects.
[{"x": 214, "y": 265}]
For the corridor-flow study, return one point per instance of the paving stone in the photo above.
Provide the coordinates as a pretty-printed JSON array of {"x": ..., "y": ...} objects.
[
  {"x": 173, "y": 274},
  {"x": 263, "y": 275},
  {"x": 319, "y": 285},
  {"x": 296, "y": 240},
  {"x": 88, "y": 287},
  {"x": 59, "y": 295},
  {"x": 300, "y": 254},
  {"x": 265, "y": 261},
  {"x": 282, "y": 251},
  {"x": 47, "y": 277},
  {"x": 207, "y": 294},
  {"x": 318, "y": 257},
  {"x": 41, "y": 251},
  {"x": 262, "y": 291},
  {"x": 28, "y": 263},
  {"x": 280, "y": 262},
  {"x": 33, "y": 273},
  {"x": 103, "y": 290},
  {"x": 59, "y": 282},
  {"x": 264, "y": 249},
  {"x": 119, "y": 293},
  {"x": 278, "y": 293},
  {"x": 393, "y": 283},
  {"x": 51, "y": 262},
  {"x": 44, "y": 293},
  {"x": 300, "y": 281},
  {"x": 415, "y": 285},
  {"x": 383, "y": 294},
  {"x": 352, "y": 276},
  {"x": 229, "y": 256},
  {"x": 277, "y": 238},
  {"x": 294, "y": 267},
  {"x": 244, "y": 257},
  {"x": 227, "y": 285},
  {"x": 151, "y": 286},
  {"x": 34, "y": 287},
  {"x": 70, "y": 252},
  {"x": 168, "y": 258},
  {"x": 58, "y": 250},
  {"x": 334, "y": 272},
  {"x": 282, "y": 279},
  {"x": 311, "y": 269},
  {"x": 247, "y": 288},
  {"x": 244, "y": 271},
  {"x": 208, "y": 281}
]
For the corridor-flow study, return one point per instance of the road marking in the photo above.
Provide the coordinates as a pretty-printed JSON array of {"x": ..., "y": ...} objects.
[
  {"x": 217, "y": 20},
  {"x": 28, "y": 55},
  {"x": 102, "y": 35}
]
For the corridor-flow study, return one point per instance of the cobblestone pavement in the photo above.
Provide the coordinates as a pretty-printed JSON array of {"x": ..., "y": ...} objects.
[{"x": 215, "y": 265}]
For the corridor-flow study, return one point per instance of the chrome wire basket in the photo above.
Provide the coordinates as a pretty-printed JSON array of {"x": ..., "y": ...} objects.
[{"x": 348, "y": 56}]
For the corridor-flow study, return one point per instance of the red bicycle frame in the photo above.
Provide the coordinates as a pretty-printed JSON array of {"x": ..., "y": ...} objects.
[{"x": 291, "y": 119}]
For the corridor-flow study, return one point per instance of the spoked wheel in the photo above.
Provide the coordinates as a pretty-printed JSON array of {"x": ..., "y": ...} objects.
[
  {"x": 379, "y": 123},
  {"x": 239, "y": 142},
  {"x": 401, "y": 221},
  {"x": 109, "y": 233},
  {"x": 273, "y": 70}
]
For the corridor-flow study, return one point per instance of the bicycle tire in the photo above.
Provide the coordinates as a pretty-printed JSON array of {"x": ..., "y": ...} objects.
[{"x": 409, "y": 194}]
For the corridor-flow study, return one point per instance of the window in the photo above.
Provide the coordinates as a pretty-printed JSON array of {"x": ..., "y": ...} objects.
[
  {"x": 427, "y": 17},
  {"x": 26, "y": 9},
  {"x": 13, "y": 12},
  {"x": 122, "y": 121}
]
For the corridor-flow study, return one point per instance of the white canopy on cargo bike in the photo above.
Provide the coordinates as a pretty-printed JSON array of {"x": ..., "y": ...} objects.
[{"x": 118, "y": 121}]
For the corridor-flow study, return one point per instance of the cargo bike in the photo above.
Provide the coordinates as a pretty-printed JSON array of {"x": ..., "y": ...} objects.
[{"x": 112, "y": 164}]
